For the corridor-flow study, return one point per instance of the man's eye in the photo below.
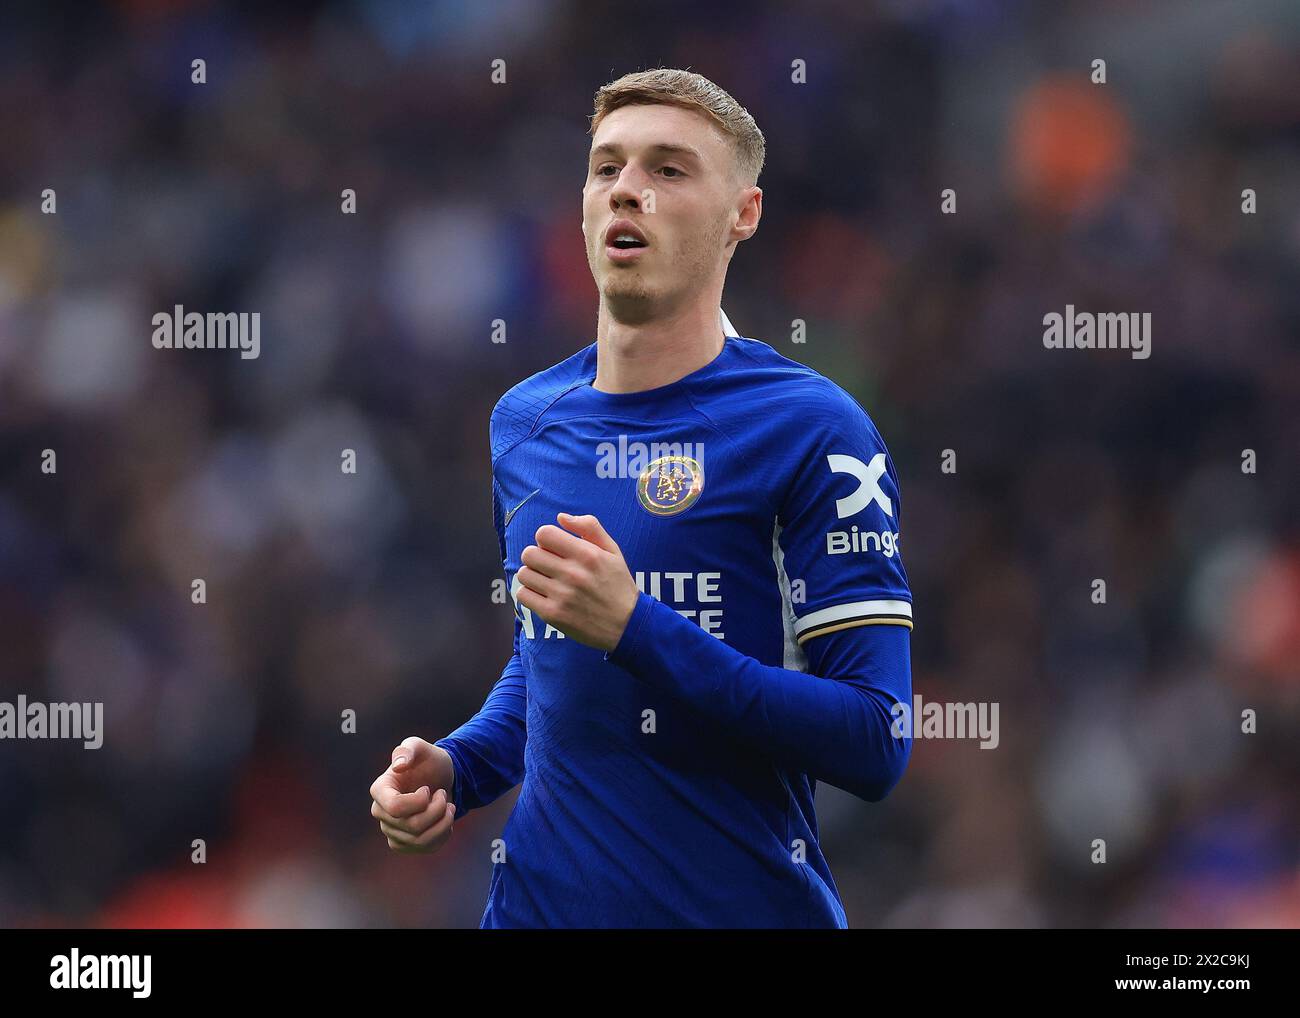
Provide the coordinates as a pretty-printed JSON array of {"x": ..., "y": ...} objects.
[
  {"x": 672, "y": 171},
  {"x": 601, "y": 171}
]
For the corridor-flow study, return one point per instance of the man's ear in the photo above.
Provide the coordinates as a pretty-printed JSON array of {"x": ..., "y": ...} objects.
[{"x": 749, "y": 213}]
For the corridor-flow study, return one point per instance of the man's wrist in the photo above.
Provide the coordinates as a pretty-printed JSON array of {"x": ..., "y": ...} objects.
[
  {"x": 452, "y": 785},
  {"x": 625, "y": 650},
  {"x": 627, "y": 619}
]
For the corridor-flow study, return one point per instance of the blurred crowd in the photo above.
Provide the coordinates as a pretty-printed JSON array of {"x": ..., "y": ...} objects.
[{"x": 372, "y": 592}]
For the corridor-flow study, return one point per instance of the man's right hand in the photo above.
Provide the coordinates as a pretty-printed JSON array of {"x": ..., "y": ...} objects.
[{"x": 411, "y": 800}]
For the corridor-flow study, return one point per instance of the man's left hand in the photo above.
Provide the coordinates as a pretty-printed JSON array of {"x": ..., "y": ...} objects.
[{"x": 576, "y": 580}]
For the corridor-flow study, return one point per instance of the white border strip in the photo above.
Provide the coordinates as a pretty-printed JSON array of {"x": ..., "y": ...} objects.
[{"x": 858, "y": 609}]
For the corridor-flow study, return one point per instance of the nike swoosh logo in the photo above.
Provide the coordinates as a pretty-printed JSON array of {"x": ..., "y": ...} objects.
[{"x": 510, "y": 515}]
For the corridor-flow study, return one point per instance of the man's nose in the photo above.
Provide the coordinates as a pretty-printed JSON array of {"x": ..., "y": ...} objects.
[{"x": 629, "y": 191}]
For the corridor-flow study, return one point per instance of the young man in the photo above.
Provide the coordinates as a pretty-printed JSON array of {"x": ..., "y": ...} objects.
[{"x": 701, "y": 541}]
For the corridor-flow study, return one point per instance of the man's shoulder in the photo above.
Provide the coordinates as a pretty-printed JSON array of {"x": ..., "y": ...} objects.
[
  {"x": 517, "y": 411},
  {"x": 777, "y": 386}
]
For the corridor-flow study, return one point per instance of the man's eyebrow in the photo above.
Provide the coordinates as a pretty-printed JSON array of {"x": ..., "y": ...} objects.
[{"x": 669, "y": 148}]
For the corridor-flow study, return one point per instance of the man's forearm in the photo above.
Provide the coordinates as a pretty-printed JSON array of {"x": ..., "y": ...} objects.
[
  {"x": 836, "y": 729},
  {"x": 487, "y": 751}
]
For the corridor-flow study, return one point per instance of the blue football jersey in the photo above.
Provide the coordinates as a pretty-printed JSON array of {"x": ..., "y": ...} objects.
[{"x": 668, "y": 783}]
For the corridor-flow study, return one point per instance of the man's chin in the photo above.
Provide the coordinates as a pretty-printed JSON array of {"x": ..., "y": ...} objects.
[
  {"x": 630, "y": 290},
  {"x": 630, "y": 302}
]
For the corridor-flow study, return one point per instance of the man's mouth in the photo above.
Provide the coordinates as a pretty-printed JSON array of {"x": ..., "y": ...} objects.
[{"x": 623, "y": 235}]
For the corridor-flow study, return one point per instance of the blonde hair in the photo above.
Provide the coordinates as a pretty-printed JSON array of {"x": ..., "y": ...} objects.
[{"x": 667, "y": 86}]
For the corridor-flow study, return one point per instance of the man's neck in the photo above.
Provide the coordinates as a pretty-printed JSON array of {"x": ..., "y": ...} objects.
[{"x": 647, "y": 355}]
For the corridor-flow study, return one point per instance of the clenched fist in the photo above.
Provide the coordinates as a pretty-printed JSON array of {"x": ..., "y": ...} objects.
[
  {"x": 411, "y": 800},
  {"x": 576, "y": 580}
]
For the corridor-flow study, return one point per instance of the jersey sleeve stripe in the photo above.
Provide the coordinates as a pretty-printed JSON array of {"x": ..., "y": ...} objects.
[
  {"x": 822, "y": 631},
  {"x": 857, "y": 613}
]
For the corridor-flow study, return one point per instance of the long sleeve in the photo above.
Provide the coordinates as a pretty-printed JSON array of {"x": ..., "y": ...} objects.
[
  {"x": 487, "y": 751},
  {"x": 833, "y": 723}
]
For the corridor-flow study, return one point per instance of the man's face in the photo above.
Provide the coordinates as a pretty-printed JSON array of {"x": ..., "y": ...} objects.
[{"x": 670, "y": 173}]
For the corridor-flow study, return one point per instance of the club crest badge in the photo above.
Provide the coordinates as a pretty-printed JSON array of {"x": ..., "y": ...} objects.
[{"x": 670, "y": 485}]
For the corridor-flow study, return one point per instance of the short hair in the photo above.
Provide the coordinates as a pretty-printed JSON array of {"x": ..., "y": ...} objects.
[{"x": 666, "y": 86}]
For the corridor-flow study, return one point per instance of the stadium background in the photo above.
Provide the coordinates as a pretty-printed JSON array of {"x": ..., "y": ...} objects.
[{"x": 372, "y": 592}]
